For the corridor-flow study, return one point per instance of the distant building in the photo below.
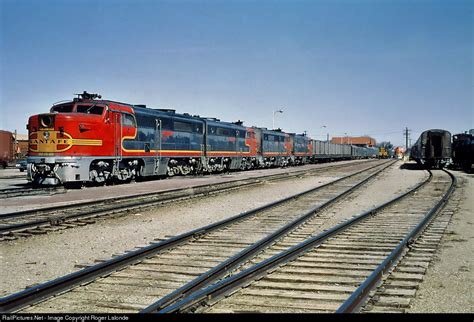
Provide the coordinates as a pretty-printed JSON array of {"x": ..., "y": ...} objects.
[
  {"x": 354, "y": 140},
  {"x": 13, "y": 147},
  {"x": 21, "y": 149}
]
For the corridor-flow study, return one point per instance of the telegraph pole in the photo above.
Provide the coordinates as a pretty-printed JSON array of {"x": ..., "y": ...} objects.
[{"x": 406, "y": 133}]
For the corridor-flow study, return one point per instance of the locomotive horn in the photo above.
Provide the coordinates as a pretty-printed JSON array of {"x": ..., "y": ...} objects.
[{"x": 88, "y": 96}]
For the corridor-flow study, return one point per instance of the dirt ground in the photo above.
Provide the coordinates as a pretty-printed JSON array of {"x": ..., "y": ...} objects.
[
  {"x": 24, "y": 262},
  {"x": 39, "y": 258},
  {"x": 448, "y": 286},
  {"x": 9, "y": 178}
]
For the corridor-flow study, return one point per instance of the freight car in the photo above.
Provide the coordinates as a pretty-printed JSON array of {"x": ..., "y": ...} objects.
[
  {"x": 94, "y": 140},
  {"x": 324, "y": 151},
  {"x": 463, "y": 150},
  {"x": 432, "y": 149},
  {"x": 6, "y": 148}
]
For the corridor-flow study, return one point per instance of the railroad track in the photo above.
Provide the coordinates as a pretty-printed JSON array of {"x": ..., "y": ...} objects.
[
  {"x": 32, "y": 222},
  {"x": 339, "y": 269},
  {"x": 15, "y": 176},
  {"x": 29, "y": 191},
  {"x": 132, "y": 281},
  {"x": 399, "y": 289}
]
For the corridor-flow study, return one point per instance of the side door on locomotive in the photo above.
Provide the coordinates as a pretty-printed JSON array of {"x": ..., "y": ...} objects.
[{"x": 124, "y": 127}]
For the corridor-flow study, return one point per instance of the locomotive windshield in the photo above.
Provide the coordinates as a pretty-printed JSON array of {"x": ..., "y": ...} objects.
[
  {"x": 90, "y": 109},
  {"x": 67, "y": 108},
  {"x": 71, "y": 108}
]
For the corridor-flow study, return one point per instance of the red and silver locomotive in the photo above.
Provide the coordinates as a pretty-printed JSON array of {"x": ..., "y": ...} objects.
[
  {"x": 94, "y": 140},
  {"x": 89, "y": 139}
]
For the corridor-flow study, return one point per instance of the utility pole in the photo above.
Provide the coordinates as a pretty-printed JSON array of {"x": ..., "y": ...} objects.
[
  {"x": 406, "y": 133},
  {"x": 327, "y": 137},
  {"x": 16, "y": 146},
  {"x": 274, "y": 112}
]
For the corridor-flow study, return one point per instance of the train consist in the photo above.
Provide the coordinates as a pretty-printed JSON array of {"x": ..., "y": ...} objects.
[
  {"x": 432, "y": 149},
  {"x": 463, "y": 150},
  {"x": 93, "y": 140}
]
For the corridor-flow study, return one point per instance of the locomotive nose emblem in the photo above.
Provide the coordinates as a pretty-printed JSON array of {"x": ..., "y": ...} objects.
[{"x": 55, "y": 141}]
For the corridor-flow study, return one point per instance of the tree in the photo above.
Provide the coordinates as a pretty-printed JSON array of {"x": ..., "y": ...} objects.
[{"x": 385, "y": 144}]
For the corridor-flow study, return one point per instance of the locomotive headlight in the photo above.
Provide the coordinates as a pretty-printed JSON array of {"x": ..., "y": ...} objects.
[{"x": 46, "y": 121}]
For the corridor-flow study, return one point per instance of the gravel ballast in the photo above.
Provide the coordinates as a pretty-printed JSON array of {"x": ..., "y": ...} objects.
[
  {"x": 40, "y": 258},
  {"x": 448, "y": 284}
]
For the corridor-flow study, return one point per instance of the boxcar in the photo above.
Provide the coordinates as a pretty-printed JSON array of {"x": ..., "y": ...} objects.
[{"x": 6, "y": 148}]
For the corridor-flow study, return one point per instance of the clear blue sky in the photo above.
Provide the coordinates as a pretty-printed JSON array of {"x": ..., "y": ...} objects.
[{"x": 358, "y": 67}]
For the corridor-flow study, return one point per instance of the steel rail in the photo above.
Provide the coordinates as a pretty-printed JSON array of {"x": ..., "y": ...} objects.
[
  {"x": 148, "y": 194},
  {"x": 227, "y": 285},
  {"x": 28, "y": 191},
  {"x": 359, "y": 296},
  {"x": 15, "y": 176},
  {"x": 38, "y": 292},
  {"x": 121, "y": 207},
  {"x": 233, "y": 262},
  {"x": 184, "y": 193}
]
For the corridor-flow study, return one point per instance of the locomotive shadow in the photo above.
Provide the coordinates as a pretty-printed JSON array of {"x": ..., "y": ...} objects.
[
  {"x": 412, "y": 166},
  {"x": 469, "y": 172},
  {"x": 22, "y": 185}
]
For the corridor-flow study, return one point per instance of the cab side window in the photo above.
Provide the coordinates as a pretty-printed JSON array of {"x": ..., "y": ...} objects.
[{"x": 128, "y": 120}]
